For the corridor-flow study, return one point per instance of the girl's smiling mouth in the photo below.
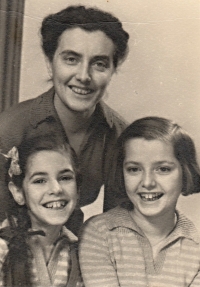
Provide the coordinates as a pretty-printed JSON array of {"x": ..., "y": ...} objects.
[
  {"x": 151, "y": 196},
  {"x": 60, "y": 204}
]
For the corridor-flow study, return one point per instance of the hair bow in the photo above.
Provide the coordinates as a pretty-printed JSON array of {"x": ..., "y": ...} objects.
[{"x": 14, "y": 165}]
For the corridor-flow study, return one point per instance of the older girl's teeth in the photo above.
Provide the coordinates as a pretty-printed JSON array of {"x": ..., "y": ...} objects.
[
  {"x": 55, "y": 204},
  {"x": 81, "y": 91},
  {"x": 150, "y": 196}
]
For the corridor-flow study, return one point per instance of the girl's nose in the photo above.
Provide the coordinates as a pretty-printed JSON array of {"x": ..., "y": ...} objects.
[
  {"x": 55, "y": 187},
  {"x": 83, "y": 73},
  {"x": 148, "y": 181}
]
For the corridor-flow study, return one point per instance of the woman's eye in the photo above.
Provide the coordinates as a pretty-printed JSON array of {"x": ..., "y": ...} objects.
[
  {"x": 71, "y": 60},
  {"x": 100, "y": 66}
]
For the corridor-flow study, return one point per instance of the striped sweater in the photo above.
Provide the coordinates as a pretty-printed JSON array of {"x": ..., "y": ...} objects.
[
  {"x": 62, "y": 269},
  {"x": 115, "y": 252}
]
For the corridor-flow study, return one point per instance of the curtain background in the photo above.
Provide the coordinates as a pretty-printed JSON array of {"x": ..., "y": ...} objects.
[{"x": 11, "y": 27}]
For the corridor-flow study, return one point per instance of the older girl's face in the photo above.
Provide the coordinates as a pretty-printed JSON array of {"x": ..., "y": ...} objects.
[
  {"x": 81, "y": 69},
  {"x": 152, "y": 176},
  {"x": 49, "y": 188}
]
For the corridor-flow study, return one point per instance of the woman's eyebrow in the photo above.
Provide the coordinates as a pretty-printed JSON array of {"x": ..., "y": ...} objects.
[
  {"x": 70, "y": 52},
  {"x": 101, "y": 57}
]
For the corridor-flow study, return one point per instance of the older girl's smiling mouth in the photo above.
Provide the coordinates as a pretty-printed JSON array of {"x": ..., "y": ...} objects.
[{"x": 150, "y": 196}]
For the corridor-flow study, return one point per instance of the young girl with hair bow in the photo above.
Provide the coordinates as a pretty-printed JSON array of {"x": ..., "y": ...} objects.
[{"x": 35, "y": 247}]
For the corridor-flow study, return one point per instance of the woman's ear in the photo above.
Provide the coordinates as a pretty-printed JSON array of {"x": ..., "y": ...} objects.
[
  {"x": 49, "y": 68},
  {"x": 17, "y": 193}
]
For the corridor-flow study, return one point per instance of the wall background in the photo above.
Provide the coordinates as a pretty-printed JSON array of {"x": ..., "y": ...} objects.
[{"x": 161, "y": 75}]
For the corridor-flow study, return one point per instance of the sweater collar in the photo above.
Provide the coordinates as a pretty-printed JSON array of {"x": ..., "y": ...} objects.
[{"x": 120, "y": 217}]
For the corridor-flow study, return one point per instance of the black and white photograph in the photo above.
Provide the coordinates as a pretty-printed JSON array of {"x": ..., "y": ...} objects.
[{"x": 99, "y": 143}]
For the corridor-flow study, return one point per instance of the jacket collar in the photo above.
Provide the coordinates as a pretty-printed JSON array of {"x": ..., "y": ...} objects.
[
  {"x": 120, "y": 217},
  {"x": 43, "y": 107}
]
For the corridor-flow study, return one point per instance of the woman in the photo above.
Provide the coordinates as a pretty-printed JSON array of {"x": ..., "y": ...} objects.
[
  {"x": 83, "y": 47},
  {"x": 146, "y": 241}
]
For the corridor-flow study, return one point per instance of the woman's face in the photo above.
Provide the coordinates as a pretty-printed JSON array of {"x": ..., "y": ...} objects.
[
  {"x": 152, "y": 176},
  {"x": 81, "y": 68},
  {"x": 49, "y": 188}
]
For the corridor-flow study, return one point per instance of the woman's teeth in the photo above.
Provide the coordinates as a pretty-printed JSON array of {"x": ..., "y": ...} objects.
[
  {"x": 81, "y": 91},
  {"x": 56, "y": 204},
  {"x": 151, "y": 196}
]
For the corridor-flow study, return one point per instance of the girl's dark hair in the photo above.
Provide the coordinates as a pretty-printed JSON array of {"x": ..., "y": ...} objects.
[
  {"x": 89, "y": 19},
  {"x": 157, "y": 128},
  {"x": 17, "y": 264}
]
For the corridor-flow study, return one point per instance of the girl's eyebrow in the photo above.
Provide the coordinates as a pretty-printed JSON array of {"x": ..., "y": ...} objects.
[
  {"x": 165, "y": 161},
  {"x": 156, "y": 162},
  {"x": 37, "y": 173},
  {"x": 40, "y": 173},
  {"x": 67, "y": 170}
]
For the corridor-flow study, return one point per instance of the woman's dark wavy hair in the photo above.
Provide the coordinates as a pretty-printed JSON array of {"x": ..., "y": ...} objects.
[
  {"x": 89, "y": 19},
  {"x": 17, "y": 264},
  {"x": 157, "y": 128}
]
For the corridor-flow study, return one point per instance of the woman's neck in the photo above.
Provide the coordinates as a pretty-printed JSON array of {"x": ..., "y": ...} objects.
[{"x": 76, "y": 121}]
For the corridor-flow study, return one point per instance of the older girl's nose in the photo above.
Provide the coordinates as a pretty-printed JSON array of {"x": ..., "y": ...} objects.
[{"x": 148, "y": 180}]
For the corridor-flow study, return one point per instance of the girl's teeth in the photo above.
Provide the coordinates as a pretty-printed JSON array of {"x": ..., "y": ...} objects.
[
  {"x": 150, "y": 196},
  {"x": 55, "y": 204}
]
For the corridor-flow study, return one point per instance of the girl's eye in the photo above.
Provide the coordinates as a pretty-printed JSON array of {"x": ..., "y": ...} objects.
[
  {"x": 67, "y": 177},
  {"x": 133, "y": 169},
  {"x": 39, "y": 181},
  {"x": 164, "y": 169}
]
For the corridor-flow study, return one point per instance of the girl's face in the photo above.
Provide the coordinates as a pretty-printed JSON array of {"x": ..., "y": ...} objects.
[
  {"x": 49, "y": 188},
  {"x": 152, "y": 176}
]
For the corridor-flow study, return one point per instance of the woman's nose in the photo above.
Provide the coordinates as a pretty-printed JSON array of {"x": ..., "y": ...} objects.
[
  {"x": 55, "y": 187},
  {"x": 83, "y": 73},
  {"x": 148, "y": 180}
]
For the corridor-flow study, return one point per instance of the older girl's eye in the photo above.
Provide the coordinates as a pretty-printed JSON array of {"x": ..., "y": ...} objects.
[
  {"x": 67, "y": 177},
  {"x": 163, "y": 169},
  {"x": 133, "y": 169}
]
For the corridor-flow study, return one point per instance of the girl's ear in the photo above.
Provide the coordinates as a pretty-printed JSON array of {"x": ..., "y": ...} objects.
[{"x": 17, "y": 193}]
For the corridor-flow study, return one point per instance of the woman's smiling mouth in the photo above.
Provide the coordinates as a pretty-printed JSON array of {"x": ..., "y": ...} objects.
[
  {"x": 81, "y": 91},
  {"x": 56, "y": 204},
  {"x": 151, "y": 196}
]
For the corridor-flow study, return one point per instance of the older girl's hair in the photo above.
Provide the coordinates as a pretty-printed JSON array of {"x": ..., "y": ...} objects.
[
  {"x": 157, "y": 128},
  {"x": 88, "y": 19},
  {"x": 17, "y": 264}
]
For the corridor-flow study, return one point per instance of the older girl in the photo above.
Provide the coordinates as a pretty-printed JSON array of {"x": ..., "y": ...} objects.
[
  {"x": 146, "y": 241},
  {"x": 35, "y": 248}
]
